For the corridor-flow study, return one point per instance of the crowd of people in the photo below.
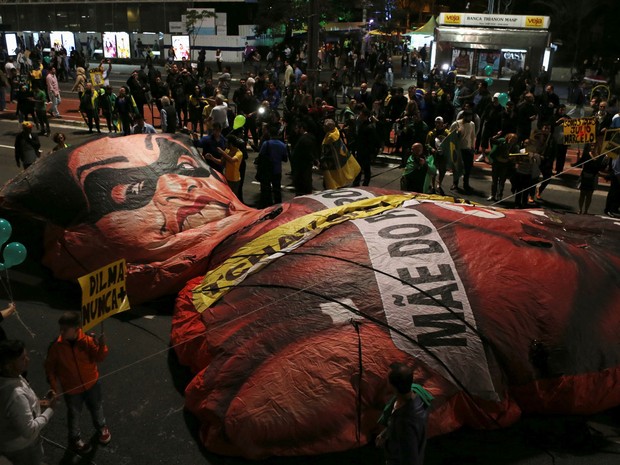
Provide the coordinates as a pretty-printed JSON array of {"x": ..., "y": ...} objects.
[{"x": 276, "y": 96}]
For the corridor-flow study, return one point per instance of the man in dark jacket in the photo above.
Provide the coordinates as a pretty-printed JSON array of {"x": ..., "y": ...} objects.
[
  {"x": 365, "y": 145},
  {"x": 138, "y": 89},
  {"x": 27, "y": 146},
  {"x": 405, "y": 419},
  {"x": 526, "y": 113},
  {"x": 269, "y": 171},
  {"x": 548, "y": 104},
  {"x": 305, "y": 153},
  {"x": 491, "y": 122}
]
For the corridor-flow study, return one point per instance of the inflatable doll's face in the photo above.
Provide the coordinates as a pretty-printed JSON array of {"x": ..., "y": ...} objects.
[{"x": 143, "y": 190}]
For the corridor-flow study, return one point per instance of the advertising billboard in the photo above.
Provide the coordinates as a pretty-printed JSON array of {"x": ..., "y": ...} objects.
[
  {"x": 116, "y": 45},
  {"x": 109, "y": 45},
  {"x": 123, "y": 48},
  {"x": 462, "y": 60},
  {"x": 180, "y": 45},
  {"x": 11, "y": 43},
  {"x": 488, "y": 58},
  {"x": 62, "y": 39}
]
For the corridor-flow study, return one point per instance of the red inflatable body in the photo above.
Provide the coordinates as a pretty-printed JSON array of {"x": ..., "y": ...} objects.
[
  {"x": 303, "y": 306},
  {"x": 499, "y": 312}
]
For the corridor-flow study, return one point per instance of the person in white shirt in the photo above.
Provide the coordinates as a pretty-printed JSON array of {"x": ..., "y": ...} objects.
[
  {"x": 466, "y": 130},
  {"x": 9, "y": 66},
  {"x": 219, "y": 113},
  {"x": 288, "y": 73},
  {"x": 22, "y": 414}
]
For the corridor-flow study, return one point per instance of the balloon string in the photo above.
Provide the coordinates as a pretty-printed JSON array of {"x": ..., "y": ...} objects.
[
  {"x": 6, "y": 289},
  {"x": 19, "y": 318},
  {"x": 9, "y": 292},
  {"x": 8, "y": 282}
]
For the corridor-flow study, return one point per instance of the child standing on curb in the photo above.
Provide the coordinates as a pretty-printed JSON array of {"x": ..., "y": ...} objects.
[{"x": 72, "y": 363}]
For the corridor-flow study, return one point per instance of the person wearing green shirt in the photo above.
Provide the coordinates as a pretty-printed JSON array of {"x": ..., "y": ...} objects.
[{"x": 40, "y": 104}]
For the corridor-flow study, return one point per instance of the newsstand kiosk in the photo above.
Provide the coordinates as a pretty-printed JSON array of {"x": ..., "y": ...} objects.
[{"x": 471, "y": 42}]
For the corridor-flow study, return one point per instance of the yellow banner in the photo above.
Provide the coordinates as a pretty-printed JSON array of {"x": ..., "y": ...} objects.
[
  {"x": 579, "y": 131},
  {"x": 103, "y": 293},
  {"x": 96, "y": 78},
  {"x": 256, "y": 254}
]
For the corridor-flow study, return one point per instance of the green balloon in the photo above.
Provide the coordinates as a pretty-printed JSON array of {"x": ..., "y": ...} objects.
[
  {"x": 239, "y": 122},
  {"x": 503, "y": 99},
  {"x": 14, "y": 254},
  {"x": 489, "y": 81},
  {"x": 2, "y": 267},
  {"x": 488, "y": 70},
  {"x": 5, "y": 230}
]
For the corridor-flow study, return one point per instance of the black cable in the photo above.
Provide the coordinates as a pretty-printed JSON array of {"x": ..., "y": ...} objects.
[{"x": 358, "y": 428}]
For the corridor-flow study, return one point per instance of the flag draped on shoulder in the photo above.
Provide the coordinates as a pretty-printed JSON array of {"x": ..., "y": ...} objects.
[
  {"x": 450, "y": 146},
  {"x": 339, "y": 167}
]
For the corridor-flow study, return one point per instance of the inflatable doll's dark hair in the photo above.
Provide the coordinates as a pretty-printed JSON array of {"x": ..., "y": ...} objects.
[{"x": 46, "y": 191}]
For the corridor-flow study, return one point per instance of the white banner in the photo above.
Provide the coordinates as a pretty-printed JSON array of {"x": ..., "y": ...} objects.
[
  {"x": 479, "y": 19},
  {"x": 338, "y": 197},
  {"x": 423, "y": 297}
]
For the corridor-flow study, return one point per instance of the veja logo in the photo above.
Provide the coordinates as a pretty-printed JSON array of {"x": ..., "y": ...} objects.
[
  {"x": 534, "y": 21},
  {"x": 453, "y": 19}
]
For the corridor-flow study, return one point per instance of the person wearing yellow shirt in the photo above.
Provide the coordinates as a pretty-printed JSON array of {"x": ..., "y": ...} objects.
[{"x": 231, "y": 159}]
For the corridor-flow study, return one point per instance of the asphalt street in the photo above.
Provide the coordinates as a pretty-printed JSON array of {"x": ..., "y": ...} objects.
[{"x": 143, "y": 384}]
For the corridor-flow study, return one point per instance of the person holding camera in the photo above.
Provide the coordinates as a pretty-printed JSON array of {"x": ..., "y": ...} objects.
[
  {"x": 22, "y": 414},
  {"x": 418, "y": 172},
  {"x": 105, "y": 73}
]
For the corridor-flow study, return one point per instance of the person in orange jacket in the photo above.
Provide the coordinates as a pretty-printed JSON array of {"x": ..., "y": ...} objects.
[{"x": 72, "y": 364}]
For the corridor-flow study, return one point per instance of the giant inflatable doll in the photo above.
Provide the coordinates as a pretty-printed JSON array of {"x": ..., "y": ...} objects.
[{"x": 289, "y": 317}]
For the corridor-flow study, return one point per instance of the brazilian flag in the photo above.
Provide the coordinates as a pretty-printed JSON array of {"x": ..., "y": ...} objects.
[
  {"x": 451, "y": 147},
  {"x": 339, "y": 167}
]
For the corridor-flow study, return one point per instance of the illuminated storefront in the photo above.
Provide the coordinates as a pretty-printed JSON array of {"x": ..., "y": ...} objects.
[{"x": 471, "y": 42}]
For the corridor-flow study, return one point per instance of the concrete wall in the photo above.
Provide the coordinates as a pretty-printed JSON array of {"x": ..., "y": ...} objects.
[{"x": 231, "y": 46}]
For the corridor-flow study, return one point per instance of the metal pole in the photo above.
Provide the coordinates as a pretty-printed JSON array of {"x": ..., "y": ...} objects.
[{"x": 313, "y": 47}]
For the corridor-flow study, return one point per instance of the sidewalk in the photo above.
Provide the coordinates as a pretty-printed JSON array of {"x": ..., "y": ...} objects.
[{"x": 70, "y": 114}]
